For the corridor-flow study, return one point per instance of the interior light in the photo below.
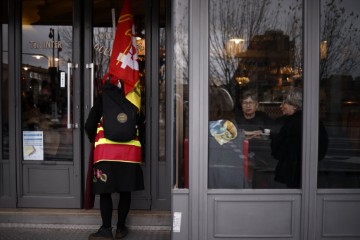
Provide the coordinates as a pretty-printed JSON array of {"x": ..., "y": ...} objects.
[
  {"x": 37, "y": 56},
  {"x": 237, "y": 40}
]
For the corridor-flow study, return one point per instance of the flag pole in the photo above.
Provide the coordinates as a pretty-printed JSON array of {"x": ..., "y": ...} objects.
[{"x": 113, "y": 22}]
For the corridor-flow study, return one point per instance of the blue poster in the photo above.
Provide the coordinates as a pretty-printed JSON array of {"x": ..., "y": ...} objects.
[{"x": 33, "y": 145}]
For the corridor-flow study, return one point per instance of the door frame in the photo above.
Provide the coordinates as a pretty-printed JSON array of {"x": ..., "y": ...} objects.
[
  {"x": 160, "y": 171},
  {"x": 9, "y": 165},
  {"x": 82, "y": 54}
]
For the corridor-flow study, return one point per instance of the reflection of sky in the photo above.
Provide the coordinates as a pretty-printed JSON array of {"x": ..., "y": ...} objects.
[
  {"x": 5, "y": 44},
  {"x": 354, "y": 7},
  {"x": 350, "y": 6},
  {"x": 36, "y": 34},
  {"x": 40, "y": 34},
  {"x": 283, "y": 22}
]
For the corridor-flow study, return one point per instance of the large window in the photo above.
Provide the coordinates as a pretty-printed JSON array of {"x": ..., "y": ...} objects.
[
  {"x": 255, "y": 94},
  {"x": 180, "y": 68},
  {"x": 339, "y": 93}
]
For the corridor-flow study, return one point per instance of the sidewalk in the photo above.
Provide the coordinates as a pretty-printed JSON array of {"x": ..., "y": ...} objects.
[
  {"x": 76, "y": 233},
  {"x": 78, "y": 224}
]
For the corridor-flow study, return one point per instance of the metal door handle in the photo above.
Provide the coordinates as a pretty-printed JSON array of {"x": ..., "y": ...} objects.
[
  {"x": 91, "y": 65},
  {"x": 69, "y": 125}
]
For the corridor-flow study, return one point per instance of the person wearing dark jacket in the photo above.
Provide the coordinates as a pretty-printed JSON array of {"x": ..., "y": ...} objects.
[
  {"x": 116, "y": 169},
  {"x": 286, "y": 145},
  {"x": 249, "y": 118}
]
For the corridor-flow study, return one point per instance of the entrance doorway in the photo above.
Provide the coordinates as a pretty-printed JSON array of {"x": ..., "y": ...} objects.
[{"x": 65, "y": 52}]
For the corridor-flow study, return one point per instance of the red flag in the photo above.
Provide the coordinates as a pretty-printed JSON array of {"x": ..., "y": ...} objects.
[{"x": 123, "y": 60}]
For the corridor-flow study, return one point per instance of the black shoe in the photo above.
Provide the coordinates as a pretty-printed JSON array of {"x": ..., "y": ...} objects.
[
  {"x": 102, "y": 234},
  {"x": 121, "y": 232}
]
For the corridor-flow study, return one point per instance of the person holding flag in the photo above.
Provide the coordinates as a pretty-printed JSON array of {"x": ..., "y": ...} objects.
[
  {"x": 123, "y": 61},
  {"x": 116, "y": 165}
]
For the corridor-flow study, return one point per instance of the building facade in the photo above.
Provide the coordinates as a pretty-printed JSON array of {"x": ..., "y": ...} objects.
[{"x": 213, "y": 168}]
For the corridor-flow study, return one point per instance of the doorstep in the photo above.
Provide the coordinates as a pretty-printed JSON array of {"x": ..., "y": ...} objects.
[{"x": 81, "y": 218}]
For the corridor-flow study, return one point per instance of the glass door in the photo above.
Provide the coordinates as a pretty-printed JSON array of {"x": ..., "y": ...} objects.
[{"x": 50, "y": 162}]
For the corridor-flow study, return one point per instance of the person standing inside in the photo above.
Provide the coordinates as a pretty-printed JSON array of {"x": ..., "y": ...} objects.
[
  {"x": 116, "y": 169},
  {"x": 286, "y": 145}
]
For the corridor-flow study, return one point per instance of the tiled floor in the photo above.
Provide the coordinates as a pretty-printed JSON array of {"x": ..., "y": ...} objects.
[
  {"x": 77, "y": 224},
  {"x": 19, "y": 233}
]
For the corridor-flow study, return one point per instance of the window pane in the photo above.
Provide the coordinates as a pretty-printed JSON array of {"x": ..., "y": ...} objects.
[
  {"x": 180, "y": 68},
  {"x": 256, "y": 60},
  {"x": 339, "y": 93},
  {"x": 162, "y": 81},
  {"x": 46, "y": 51}
]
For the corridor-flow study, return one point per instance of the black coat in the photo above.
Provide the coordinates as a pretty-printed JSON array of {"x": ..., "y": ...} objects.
[
  {"x": 286, "y": 147},
  {"x": 93, "y": 119},
  {"x": 113, "y": 99},
  {"x": 121, "y": 176}
]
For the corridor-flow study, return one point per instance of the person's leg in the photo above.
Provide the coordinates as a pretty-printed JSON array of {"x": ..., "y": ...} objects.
[
  {"x": 123, "y": 210},
  {"x": 106, "y": 209},
  {"x": 105, "y": 231}
]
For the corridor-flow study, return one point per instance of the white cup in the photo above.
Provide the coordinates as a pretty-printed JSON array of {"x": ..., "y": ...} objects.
[{"x": 266, "y": 131}]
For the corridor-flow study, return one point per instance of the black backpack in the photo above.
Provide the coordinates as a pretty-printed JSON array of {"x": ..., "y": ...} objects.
[{"x": 120, "y": 116}]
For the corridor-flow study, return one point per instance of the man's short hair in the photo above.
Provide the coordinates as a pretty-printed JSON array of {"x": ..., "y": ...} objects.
[{"x": 250, "y": 93}]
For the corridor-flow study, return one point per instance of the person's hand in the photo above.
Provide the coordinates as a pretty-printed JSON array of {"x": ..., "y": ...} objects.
[
  {"x": 253, "y": 133},
  {"x": 257, "y": 134}
]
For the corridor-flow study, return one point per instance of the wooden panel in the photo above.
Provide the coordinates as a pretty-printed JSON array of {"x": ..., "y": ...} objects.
[
  {"x": 4, "y": 177},
  {"x": 340, "y": 217},
  {"x": 180, "y": 203},
  {"x": 254, "y": 217},
  {"x": 47, "y": 180}
]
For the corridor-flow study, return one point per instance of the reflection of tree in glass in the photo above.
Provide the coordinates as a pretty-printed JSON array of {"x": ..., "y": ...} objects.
[
  {"x": 270, "y": 56},
  {"x": 341, "y": 39},
  {"x": 66, "y": 36},
  {"x": 103, "y": 39},
  {"x": 102, "y": 43},
  {"x": 181, "y": 38},
  {"x": 235, "y": 19}
]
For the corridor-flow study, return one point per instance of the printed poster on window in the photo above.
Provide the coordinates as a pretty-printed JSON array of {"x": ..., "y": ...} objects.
[
  {"x": 33, "y": 145},
  {"x": 223, "y": 131}
]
